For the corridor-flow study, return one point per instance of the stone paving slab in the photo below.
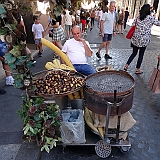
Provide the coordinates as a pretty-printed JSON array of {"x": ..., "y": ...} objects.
[{"x": 9, "y": 152}]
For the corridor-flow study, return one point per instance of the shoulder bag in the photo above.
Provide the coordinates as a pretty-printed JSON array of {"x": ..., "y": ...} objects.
[
  {"x": 131, "y": 31},
  {"x": 154, "y": 82}
]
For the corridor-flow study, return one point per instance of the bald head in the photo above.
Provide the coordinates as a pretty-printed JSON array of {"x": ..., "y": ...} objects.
[{"x": 76, "y": 32}]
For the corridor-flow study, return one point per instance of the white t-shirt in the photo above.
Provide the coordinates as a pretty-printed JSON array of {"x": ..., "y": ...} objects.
[
  {"x": 78, "y": 13},
  {"x": 75, "y": 51},
  {"x": 100, "y": 13},
  {"x": 37, "y": 29},
  {"x": 108, "y": 19},
  {"x": 67, "y": 18}
]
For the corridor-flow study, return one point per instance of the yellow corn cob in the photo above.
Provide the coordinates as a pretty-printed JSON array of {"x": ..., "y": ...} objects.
[
  {"x": 82, "y": 93},
  {"x": 71, "y": 96},
  {"x": 56, "y": 64},
  {"x": 49, "y": 65},
  {"x": 77, "y": 95},
  {"x": 101, "y": 131},
  {"x": 62, "y": 55},
  {"x": 63, "y": 66}
]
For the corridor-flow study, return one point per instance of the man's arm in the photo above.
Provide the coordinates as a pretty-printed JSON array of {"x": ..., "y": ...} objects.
[
  {"x": 86, "y": 47},
  {"x": 101, "y": 28}
]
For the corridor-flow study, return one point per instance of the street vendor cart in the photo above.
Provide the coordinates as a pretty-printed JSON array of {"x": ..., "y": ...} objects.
[{"x": 98, "y": 104}]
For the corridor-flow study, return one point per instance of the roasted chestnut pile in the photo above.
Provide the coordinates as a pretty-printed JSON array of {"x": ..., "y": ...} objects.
[{"x": 58, "y": 82}]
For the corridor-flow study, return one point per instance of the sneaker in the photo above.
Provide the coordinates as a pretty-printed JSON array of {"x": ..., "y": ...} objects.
[
  {"x": 40, "y": 54},
  {"x": 33, "y": 61},
  {"x": 9, "y": 81},
  {"x": 2, "y": 91},
  {"x": 107, "y": 56},
  {"x": 91, "y": 28},
  {"x": 98, "y": 55}
]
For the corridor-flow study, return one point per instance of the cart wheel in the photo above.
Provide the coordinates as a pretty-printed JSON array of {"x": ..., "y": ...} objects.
[
  {"x": 125, "y": 149},
  {"x": 103, "y": 149}
]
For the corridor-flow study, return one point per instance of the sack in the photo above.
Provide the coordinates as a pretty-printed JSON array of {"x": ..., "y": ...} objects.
[
  {"x": 154, "y": 82},
  {"x": 130, "y": 32}
]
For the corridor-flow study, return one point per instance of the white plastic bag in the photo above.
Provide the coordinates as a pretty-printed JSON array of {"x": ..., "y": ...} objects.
[{"x": 72, "y": 132}]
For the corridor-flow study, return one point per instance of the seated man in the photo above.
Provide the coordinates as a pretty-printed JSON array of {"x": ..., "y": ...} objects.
[{"x": 77, "y": 49}]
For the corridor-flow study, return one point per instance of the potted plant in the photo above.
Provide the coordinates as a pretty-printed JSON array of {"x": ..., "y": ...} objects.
[{"x": 40, "y": 122}]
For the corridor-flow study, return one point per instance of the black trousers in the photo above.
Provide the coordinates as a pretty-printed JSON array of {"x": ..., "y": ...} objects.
[{"x": 140, "y": 57}]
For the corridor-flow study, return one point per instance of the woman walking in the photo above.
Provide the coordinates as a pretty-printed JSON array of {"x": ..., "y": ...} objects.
[{"x": 142, "y": 36}]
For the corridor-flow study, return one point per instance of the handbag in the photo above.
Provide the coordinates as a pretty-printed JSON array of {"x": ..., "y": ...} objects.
[
  {"x": 154, "y": 82},
  {"x": 131, "y": 31}
]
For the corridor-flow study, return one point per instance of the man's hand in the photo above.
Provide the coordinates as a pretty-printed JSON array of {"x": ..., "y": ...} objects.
[
  {"x": 82, "y": 40},
  {"x": 102, "y": 34}
]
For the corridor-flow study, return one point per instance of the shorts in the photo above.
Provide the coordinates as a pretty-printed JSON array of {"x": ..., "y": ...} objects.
[
  {"x": 38, "y": 41},
  {"x": 83, "y": 21},
  {"x": 68, "y": 27},
  {"x": 107, "y": 37}
]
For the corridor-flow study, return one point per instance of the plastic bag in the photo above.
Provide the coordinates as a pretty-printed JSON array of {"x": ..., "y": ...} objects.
[{"x": 72, "y": 126}]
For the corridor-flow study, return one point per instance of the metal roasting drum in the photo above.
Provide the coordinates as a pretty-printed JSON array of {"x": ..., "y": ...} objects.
[{"x": 100, "y": 88}]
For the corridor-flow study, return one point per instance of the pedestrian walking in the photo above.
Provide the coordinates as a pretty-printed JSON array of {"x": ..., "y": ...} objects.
[
  {"x": 78, "y": 12},
  {"x": 38, "y": 33},
  {"x": 57, "y": 29},
  {"x": 126, "y": 15},
  {"x": 106, "y": 28},
  {"x": 120, "y": 21},
  {"x": 83, "y": 21},
  {"x": 100, "y": 13},
  {"x": 142, "y": 36},
  {"x": 68, "y": 22},
  {"x": 93, "y": 14}
]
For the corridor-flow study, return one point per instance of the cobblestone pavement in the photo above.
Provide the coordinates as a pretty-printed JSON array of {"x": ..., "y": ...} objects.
[{"x": 144, "y": 135}]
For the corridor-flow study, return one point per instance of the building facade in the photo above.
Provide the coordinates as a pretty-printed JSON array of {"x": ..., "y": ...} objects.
[{"x": 135, "y": 5}]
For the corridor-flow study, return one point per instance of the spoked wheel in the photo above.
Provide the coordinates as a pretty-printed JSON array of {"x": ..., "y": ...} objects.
[
  {"x": 125, "y": 149},
  {"x": 103, "y": 149}
]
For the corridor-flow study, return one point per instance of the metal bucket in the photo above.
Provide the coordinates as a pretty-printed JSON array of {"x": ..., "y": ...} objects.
[
  {"x": 62, "y": 101},
  {"x": 77, "y": 104}
]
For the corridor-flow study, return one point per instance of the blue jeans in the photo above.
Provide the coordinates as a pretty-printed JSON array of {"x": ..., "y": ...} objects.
[
  {"x": 140, "y": 58},
  {"x": 84, "y": 69}
]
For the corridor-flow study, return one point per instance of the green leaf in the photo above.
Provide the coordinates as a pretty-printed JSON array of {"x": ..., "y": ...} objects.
[
  {"x": 46, "y": 148},
  {"x": 38, "y": 125},
  {"x": 35, "y": 130},
  {"x": 18, "y": 84},
  {"x": 29, "y": 64},
  {"x": 19, "y": 61},
  {"x": 36, "y": 117},
  {"x": 12, "y": 66},
  {"x": 16, "y": 51},
  {"x": 31, "y": 129},
  {"x": 9, "y": 58},
  {"x": 26, "y": 129}
]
